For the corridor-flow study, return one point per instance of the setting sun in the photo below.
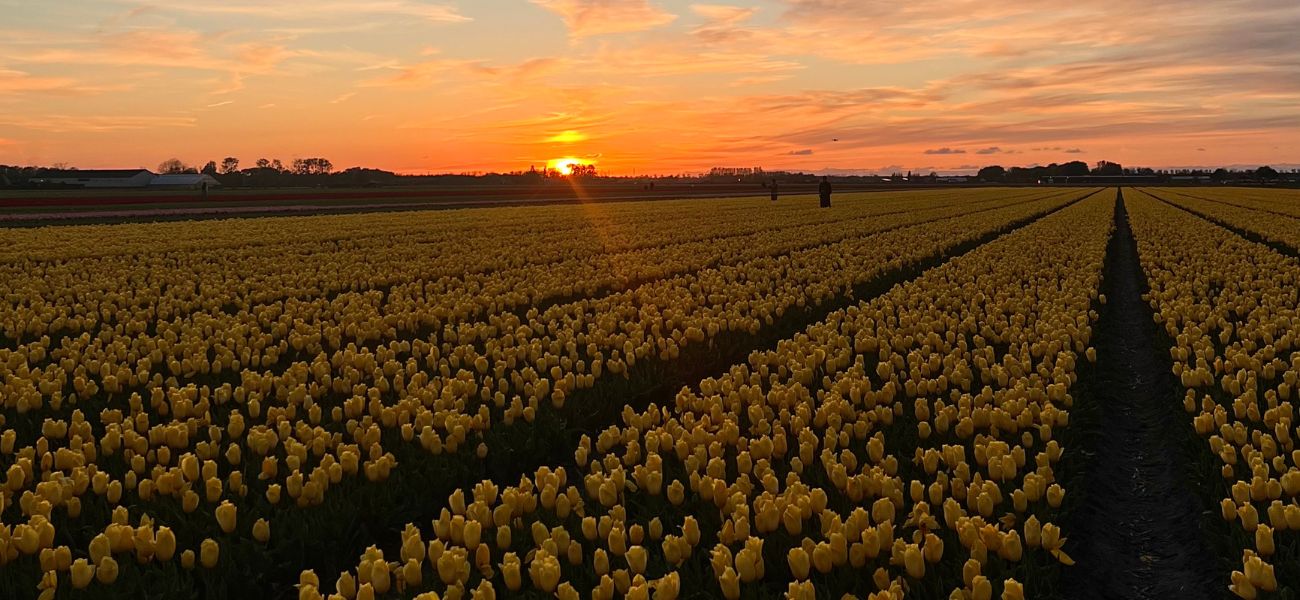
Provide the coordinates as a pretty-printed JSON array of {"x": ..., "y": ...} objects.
[{"x": 566, "y": 165}]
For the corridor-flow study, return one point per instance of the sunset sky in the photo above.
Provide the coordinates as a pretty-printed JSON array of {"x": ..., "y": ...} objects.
[{"x": 660, "y": 86}]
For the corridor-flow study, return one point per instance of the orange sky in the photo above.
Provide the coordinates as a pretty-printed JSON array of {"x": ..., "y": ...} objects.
[{"x": 660, "y": 86}]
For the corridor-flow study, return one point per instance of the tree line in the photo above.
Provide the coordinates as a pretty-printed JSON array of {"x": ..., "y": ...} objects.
[
  {"x": 230, "y": 166},
  {"x": 1078, "y": 168}
]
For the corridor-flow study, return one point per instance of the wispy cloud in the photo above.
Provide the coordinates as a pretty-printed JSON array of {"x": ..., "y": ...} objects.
[
  {"x": 13, "y": 82},
  {"x": 63, "y": 123},
  {"x": 320, "y": 9},
  {"x": 599, "y": 17},
  {"x": 945, "y": 150}
]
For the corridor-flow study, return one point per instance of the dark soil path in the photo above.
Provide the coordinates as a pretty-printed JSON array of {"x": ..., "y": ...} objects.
[{"x": 1136, "y": 531}]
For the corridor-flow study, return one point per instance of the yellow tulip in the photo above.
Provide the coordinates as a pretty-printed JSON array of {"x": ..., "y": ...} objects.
[
  {"x": 1242, "y": 587},
  {"x": 209, "y": 553},
  {"x": 1260, "y": 574},
  {"x": 1012, "y": 590},
  {"x": 799, "y": 562},
  {"x": 544, "y": 572},
  {"x": 412, "y": 573},
  {"x": 380, "y": 578},
  {"x": 262, "y": 531},
  {"x": 822, "y": 559},
  {"x": 510, "y": 571},
  {"x": 1051, "y": 536},
  {"x": 81, "y": 573},
  {"x": 106, "y": 570},
  {"x": 99, "y": 547},
  {"x": 636, "y": 559},
  {"x": 1055, "y": 494},
  {"x": 981, "y": 588},
  {"x": 730, "y": 583},
  {"x": 1264, "y": 540},
  {"x": 450, "y": 566},
  {"x": 914, "y": 562},
  {"x": 164, "y": 544},
  {"x": 226, "y": 516},
  {"x": 346, "y": 585}
]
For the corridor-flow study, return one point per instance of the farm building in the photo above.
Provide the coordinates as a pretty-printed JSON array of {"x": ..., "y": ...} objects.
[
  {"x": 97, "y": 178},
  {"x": 188, "y": 181}
]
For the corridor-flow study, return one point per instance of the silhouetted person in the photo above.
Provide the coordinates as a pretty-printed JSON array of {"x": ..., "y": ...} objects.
[
  {"x": 774, "y": 190},
  {"x": 824, "y": 190}
]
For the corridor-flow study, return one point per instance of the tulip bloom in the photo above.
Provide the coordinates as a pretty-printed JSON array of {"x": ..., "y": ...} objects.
[{"x": 209, "y": 553}]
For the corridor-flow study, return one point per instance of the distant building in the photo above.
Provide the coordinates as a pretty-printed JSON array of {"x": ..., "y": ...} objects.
[
  {"x": 96, "y": 178},
  {"x": 186, "y": 181},
  {"x": 124, "y": 178}
]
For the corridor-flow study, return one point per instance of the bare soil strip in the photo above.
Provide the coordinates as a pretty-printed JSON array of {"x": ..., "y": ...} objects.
[{"x": 1135, "y": 532}]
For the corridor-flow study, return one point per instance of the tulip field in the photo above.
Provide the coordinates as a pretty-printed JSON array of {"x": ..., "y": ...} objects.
[{"x": 727, "y": 398}]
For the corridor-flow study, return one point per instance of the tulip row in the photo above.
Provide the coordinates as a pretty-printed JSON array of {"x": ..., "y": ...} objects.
[
  {"x": 1228, "y": 307},
  {"x": 1278, "y": 201},
  {"x": 1261, "y": 220},
  {"x": 903, "y": 446},
  {"x": 276, "y": 439}
]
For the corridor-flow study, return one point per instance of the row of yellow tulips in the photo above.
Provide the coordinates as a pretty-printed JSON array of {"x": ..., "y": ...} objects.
[{"x": 1228, "y": 307}]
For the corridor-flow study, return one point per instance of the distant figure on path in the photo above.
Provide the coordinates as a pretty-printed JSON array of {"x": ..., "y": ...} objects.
[
  {"x": 774, "y": 190},
  {"x": 824, "y": 190}
]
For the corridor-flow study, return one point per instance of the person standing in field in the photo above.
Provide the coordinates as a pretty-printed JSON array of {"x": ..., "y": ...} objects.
[
  {"x": 824, "y": 190},
  {"x": 774, "y": 190}
]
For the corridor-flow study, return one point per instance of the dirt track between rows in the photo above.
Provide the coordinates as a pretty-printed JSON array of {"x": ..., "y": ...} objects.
[{"x": 1136, "y": 532}]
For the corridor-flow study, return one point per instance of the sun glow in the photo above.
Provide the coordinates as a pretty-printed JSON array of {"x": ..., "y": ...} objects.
[
  {"x": 567, "y": 137},
  {"x": 566, "y": 165}
]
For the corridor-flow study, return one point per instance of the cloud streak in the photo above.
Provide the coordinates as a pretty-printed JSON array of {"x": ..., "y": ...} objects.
[{"x": 586, "y": 18}]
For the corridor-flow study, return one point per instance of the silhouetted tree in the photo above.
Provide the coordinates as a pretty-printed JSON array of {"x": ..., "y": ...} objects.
[
  {"x": 1266, "y": 172},
  {"x": 229, "y": 165},
  {"x": 1106, "y": 167},
  {"x": 992, "y": 173},
  {"x": 312, "y": 166},
  {"x": 1220, "y": 174},
  {"x": 1074, "y": 168},
  {"x": 263, "y": 163},
  {"x": 172, "y": 166},
  {"x": 582, "y": 171},
  {"x": 210, "y": 168},
  {"x": 277, "y": 165}
]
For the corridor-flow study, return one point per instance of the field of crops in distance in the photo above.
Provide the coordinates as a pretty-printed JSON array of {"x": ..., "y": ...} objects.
[{"x": 895, "y": 397}]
